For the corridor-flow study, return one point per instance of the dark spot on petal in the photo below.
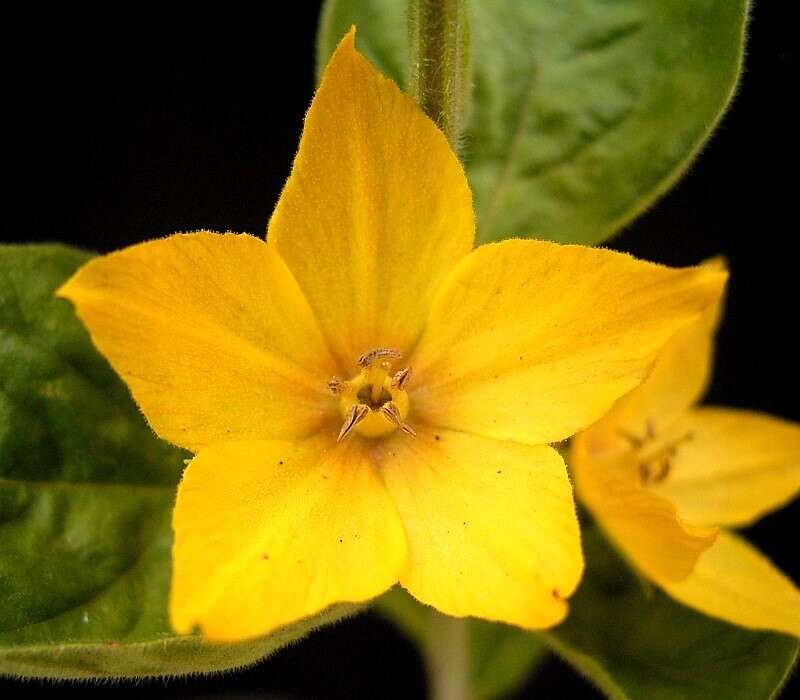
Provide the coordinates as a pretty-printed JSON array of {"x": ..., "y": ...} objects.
[{"x": 265, "y": 556}]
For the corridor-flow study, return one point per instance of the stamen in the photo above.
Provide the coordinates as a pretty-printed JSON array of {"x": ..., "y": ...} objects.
[
  {"x": 667, "y": 450},
  {"x": 391, "y": 412},
  {"x": 355, "y": 415},
  {"x": 335, "y": 386},
  {"x": 635, "y": 441},
  {"x": 368, "y": 358},
  {"x": 400, "y": 379},
  {"x": 408, "y": 430},
  {"x": 656, "y": 464},
  {"x": 664, "y": 465}
]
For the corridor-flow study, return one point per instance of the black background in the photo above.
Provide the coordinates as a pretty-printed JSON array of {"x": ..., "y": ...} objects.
[{"x": 134, "y": 122}]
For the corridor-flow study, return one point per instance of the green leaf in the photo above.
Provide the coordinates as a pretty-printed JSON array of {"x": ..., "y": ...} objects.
[
  {"x": 382, "y": 34},
  {"x": 629, "y": 639},
  {"x": 635, "y": 642},
  {"x": 583, "y": 112},
  {"x": 501, "y": 658},
  {"x": 86, "y": 493}
]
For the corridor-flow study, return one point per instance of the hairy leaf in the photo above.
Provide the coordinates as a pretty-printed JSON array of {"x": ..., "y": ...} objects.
[
  {"x": 583, "y": 112},
  {"x": 86, "y": 494},
  {"x": 635, "y": 642}
]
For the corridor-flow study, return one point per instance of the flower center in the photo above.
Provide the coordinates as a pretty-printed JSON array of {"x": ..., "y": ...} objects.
[
  {"x": 654, "y": 457},
  {"x": 374, "y": 402}
]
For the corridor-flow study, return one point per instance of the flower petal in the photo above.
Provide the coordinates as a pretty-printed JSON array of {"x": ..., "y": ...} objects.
[
  {"x": 736, "y": 466},
  {"x": 269, "y": 532},
  {"x": 735, "y": 582},
  {"x": 491, "y": 526},
  {"x": 677, "y": 381},
  {"x": 212, "y": 335},
  {"x": 532, "y": 341},
  {"x": 645, "y": 527},
  {"x": 376, "y": 212}
]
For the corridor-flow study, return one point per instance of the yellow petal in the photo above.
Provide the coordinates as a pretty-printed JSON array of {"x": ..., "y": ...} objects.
[
  {"x": 645, "y": 527},
  {"x": 376, "y": 212},
  {"x": 491, "y": 526},
  {"x": 212, "y": 335},
  {"x": 735, "y": 582},
  {"x": 736, "y": 466},
  {"x": 678, "y": 379},
  {"x": 269, "y": 532},
  {"x": 532, "y": 341}
]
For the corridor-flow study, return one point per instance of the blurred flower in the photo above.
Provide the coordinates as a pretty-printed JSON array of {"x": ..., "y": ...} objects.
[
  {"x": 662, "y": 475},
  {"x": 327, "y": 470}
]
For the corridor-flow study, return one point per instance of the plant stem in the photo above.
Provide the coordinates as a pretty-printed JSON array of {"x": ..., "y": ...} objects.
[
  {"x": 440, "y": 82},
  {"x": 440, "y": 70},
  {"x": 447, "y": 657}
]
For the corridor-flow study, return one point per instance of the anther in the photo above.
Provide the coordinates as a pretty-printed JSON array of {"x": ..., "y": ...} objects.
[
  {"x": 408, "y": 430},
  {"x": 634, "y": 440},
  {"x": 656, "y": 466},
  {"x": 666, "y": 467},
  {"x": 400, "y": 379},
  {"x": 649, "y": 476},
  {"x": 368, "y": 358},
  {"x": 355, "y": 415},
  {"x": 391, "y": 412}
]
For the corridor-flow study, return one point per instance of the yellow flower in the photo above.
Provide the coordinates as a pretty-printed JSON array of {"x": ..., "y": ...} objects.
[
  {"x": 662, "y": 475},
  {"x": 326, "y": 470}
]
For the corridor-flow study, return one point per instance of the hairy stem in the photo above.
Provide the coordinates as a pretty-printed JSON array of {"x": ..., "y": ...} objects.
[
  {"x": 447, "y": 657},
  {"x": 440, "y": 70}
]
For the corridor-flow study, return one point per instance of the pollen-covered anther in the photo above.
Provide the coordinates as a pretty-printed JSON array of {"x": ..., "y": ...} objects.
[
  {"x": 400, "y": 379},
  {"x": 355, "y": 415},
  {"x": 374, "y": 402},
  {"x": 368, "y": 358},
  {"x": 391, "y": 411}
]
